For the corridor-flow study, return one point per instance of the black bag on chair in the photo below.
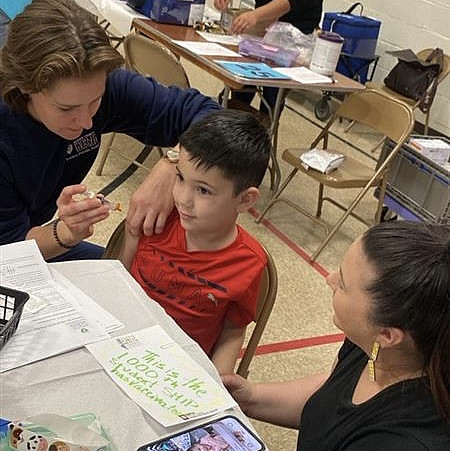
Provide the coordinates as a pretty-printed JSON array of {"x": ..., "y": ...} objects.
[{"x": 416, "y": 78}]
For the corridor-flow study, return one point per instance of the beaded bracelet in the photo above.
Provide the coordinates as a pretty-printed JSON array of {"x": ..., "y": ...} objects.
[{"x": 55, "y": 235}]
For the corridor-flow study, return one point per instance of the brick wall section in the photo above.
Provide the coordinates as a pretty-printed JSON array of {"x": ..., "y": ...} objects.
[{"x": 414, "y": 24}]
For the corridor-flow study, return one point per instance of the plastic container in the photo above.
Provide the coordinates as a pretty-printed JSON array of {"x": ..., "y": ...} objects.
[
  {"x": 325, "y": 55},
  {"x": 11, "y": 306},
  {"x": 256, "y": 48},
  {"x": 418, "y": 184}
]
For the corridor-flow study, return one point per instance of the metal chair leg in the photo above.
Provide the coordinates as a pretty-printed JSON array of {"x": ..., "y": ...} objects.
[
  {"x": 276, "y": 195},
  {"x": 104, "y": 154}
]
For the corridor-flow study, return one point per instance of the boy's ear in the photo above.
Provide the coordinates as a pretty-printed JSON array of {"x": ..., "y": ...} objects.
[{"x": 247, "y": 198}]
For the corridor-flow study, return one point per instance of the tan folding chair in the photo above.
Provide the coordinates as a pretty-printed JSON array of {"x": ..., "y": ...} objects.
[
  {"x": 148, "y": 58},
  {"x": 379, "y": 111},
  {"x": 423, "y": 55},
  {"x": 267, "y": 295},
  {"x": 266, "y": 298}
]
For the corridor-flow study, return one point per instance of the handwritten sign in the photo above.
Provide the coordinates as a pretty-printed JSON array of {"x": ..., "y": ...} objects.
[{"x": 160, "y": 376}]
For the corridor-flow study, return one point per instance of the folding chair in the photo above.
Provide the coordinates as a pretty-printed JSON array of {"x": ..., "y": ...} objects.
[
  {"x": 148, "y": 58},
  {"x": 266, "y": 298},
  {"x": 387, "y": 115}
]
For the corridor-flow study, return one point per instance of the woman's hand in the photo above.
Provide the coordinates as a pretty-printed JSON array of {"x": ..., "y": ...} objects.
[
  {"x": 221, "y": 4},
  {"x": 240, "y": 389},
  {"x": 78, "y": 216},
  {"x": 152, "y": 202},
  {"x": 243, "y": 22}
]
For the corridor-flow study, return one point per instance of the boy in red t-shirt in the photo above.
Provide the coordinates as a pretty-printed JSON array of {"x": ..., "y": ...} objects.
[{"x": 205, "y": 269}]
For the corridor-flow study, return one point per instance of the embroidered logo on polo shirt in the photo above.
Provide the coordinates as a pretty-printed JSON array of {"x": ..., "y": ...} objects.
[{"x": 83, "y": 144}]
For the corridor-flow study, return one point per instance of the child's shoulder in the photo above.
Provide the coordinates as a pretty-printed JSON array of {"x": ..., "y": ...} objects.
[{"x": 251, "y": 243}]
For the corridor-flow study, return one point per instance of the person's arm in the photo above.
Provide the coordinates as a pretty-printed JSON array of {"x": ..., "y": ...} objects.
[
  {"x": 270, "y": 11},
  {"x": 227, "y": 347},
  {"x": 279, "y": 403},
  {"x": 76, "y": 222}
]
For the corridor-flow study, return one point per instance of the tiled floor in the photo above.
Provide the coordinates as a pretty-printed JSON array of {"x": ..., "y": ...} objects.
[{"x": 302, "y": 316}]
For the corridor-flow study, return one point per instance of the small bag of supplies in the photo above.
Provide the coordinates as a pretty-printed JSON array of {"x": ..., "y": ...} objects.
[{"x": 322, "y": 160}]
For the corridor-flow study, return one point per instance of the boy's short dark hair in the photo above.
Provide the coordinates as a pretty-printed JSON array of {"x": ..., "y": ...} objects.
[{"x": 232, "y": 141}]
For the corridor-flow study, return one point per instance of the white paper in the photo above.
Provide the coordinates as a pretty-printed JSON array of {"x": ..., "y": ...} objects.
[
  {"x": 227, "y": 39},
  {"x": 304, "y": 75},
  {"x": 66, "y": 318},
  {"x": 160, "y": 376},
  {"x": 206, "y": 48}
]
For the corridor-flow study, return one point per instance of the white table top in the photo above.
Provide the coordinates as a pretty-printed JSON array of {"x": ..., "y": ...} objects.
[{"x": 74, "y": 383}]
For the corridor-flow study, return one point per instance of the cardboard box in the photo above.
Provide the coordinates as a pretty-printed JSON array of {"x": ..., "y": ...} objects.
[
  {"x": 435, "y": 149},
  {"x": 183, "y": 12}
]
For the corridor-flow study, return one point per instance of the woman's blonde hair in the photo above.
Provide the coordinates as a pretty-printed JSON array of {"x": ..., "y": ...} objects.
[{"x": 49, "y": 41}]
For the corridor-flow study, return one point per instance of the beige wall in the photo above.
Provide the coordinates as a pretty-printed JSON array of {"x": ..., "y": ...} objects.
[{"x": 414, "y": 24}]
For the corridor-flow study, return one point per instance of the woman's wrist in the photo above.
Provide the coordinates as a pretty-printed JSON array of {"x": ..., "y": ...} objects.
[{"x": 59, "y": 237}]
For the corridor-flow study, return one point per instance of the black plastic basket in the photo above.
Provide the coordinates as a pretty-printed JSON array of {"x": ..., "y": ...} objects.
[{"x": 11, "y": 306}]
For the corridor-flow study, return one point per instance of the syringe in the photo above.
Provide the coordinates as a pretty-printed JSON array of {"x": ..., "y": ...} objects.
[{"x": 113, "y": 206}]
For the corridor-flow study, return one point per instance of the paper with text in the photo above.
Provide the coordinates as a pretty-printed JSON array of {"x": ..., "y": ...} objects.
[
  {"x": 160, "y": 376},
  {"x": 249, "y": 69},
  {"x": 60, "y": 317},
  {"x": 207, "y": 48},
  {"x": 304, "y": 75},
  {"x": 228, "y": 39}
]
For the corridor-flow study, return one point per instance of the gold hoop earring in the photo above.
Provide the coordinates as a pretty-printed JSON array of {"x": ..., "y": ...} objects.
[{"x": 372, "y": 360}]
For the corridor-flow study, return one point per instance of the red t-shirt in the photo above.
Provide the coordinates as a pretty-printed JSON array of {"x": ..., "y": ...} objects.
[{"x": 200, "y": 289}]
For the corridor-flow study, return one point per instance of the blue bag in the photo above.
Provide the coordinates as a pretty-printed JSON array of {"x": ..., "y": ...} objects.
[{"x": 360, "y": 35}]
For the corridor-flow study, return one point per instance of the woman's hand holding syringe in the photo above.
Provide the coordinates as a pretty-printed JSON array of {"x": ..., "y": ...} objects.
[{"x": 113, "y": 206}]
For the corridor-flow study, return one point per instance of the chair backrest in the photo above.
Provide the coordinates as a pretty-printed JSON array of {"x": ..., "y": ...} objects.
[
  {"x": 112, "y": 249},
  {"x": 266, "y": 298},
  {"x": 150, "y": 58},
  {"x": 423, "y": 55},
  {"x": 379, "y": 111}
]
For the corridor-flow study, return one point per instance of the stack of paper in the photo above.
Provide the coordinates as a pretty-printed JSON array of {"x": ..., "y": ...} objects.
[{"x": 58, "y": 317}]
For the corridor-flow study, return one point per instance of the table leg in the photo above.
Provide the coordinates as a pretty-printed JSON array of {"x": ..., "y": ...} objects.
[
  {"x": 275, "y": 169},
  {"x": 226, "y": 94}
]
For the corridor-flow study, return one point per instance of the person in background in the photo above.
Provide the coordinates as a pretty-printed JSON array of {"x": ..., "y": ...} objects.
[
  {"x": 61, "y": 88},
  {"x": 204, "y": 269},
  {"x": 389, "y": 387},
  {"x": 302, "y": 14}
]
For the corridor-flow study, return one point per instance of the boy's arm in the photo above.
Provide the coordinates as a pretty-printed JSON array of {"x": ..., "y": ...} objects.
[
  {"x": 128, "y": 248},
  {"x": 227, "y": 347}
]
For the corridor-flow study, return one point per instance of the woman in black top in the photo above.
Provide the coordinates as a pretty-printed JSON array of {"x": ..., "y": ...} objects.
[{"x": 389, "y": 388}]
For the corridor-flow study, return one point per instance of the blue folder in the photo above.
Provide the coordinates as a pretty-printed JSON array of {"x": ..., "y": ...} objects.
[{"x": 13, "y": 7}]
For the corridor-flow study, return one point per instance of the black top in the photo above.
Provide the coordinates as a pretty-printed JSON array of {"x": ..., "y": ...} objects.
[
  {"x": 304, "y": 14},
  {"x": 400, "y": 417}
]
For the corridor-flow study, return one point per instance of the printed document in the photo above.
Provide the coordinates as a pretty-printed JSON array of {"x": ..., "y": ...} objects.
[{"x": 58, "y": 316}]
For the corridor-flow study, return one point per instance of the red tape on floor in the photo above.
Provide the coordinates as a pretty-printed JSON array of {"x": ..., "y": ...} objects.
[
  {"x": 290, "y": 345},
  {"x": 297, "y": 249}
]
